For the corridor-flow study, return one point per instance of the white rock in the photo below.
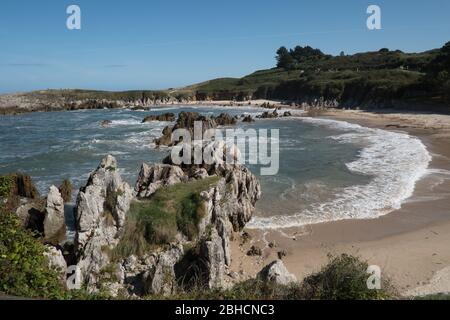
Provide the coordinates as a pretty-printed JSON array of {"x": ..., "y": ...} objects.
[
  {"x": 54, "y": 220},
  {"x": 56, "y": 260},
  {"x": 100, "y": 212},
  {"x": 276, "y": 273}
]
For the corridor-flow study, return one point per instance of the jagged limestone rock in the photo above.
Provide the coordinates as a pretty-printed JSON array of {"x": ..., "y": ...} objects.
[
  {"x": 56, "y": 260},
  {"x": 213, "y": 258},
  {"x": 161, "y": 278},
  {"x": 102, "y": 204},
  {"x": 153, "y": 177},
  {"x": 228, "y": 205},
  {"x": 54, "y": 221},
  {"x": 100, "y": 215}
]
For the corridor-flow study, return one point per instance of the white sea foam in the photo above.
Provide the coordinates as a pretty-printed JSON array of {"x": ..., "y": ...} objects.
[
  {"x": 164, "y": 108},
  {"x": 126, "y": 122},
  {"x": 394, "y": 161}
]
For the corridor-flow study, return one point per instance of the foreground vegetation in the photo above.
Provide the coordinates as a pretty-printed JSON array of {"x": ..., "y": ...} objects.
[
  {"x": 343, "y": 278},
  {"x": 24, "y": 272}
]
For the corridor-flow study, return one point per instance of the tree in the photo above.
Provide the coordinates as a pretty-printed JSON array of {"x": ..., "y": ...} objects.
[
  {"x": 302, "y": 54},
  {"x": 440, "y": 63},
  {"x": 284, "y": 58},
  {"x": 342, "y": 54}
]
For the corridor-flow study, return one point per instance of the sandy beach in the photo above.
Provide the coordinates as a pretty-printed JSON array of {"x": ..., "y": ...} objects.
[{"x": 410, "y": 245}]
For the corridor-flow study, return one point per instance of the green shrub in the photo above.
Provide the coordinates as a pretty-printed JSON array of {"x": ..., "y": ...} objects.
[
  {"x": 24, "y": 269},
  {"x": 344, "y": 278},
  {"x": 6, "y": 184}
]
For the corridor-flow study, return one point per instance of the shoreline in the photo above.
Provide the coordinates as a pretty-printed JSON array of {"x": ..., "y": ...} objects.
[
  {"x": 409, "y": 244},
  {"x": 26, "y": 106}
]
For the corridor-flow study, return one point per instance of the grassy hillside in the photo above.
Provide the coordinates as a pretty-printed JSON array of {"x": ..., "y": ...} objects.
[
  {"x": 382, "y": 78},
  {"x": 365, "y": 78}
]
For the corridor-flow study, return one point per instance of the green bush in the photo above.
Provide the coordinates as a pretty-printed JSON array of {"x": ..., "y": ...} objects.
[
  {"x": 344, "y": 278},
  {"x": 6, "y": 184},
  {"x": 24, "y": 269}
]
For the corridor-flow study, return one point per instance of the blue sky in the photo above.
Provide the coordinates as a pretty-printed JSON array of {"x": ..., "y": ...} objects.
[{"x": 155, "y": 44}]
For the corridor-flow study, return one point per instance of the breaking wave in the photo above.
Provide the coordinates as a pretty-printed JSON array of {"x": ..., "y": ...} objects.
[{"x": 394, "y": 161}]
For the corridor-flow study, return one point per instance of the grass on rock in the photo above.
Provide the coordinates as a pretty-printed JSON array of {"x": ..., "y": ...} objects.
[{"x": 172, "y": 210}]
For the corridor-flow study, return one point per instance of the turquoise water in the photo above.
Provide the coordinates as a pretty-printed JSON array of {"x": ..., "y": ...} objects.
[{"x": 314, "y": 156}]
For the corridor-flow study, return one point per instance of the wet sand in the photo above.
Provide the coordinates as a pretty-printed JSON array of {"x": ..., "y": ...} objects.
[{"x": 410, "y": 245}]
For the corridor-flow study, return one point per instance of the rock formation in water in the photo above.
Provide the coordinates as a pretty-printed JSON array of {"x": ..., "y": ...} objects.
[
  {"x": 268, "y": 115},
  {"x": 169, "y": 117},
  {"x": 248, "y": 119},
  {"x": 186, "y": 120},
  {"x": 224, "y": 119}
]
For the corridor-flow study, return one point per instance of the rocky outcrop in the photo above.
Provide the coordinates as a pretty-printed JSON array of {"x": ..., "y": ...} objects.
[
  {"x": 161, "y": 276},
  {"x": 169, "y": 117},
  {"x": 268, "y": 115},
  {"x": 105, "y": 123},
  {"x": 186, "y": 120},
  {"x": 100, "y": 215},
  {"x": 228, "y": 205},
  {"x": 56, "y": 261},
  {"x": 213, "y": 251},
  {"x": 276, "y": 273},
  {"x": 101, "y": 208},
  {"x": 222, "y": 158},
  {"x": 224, "y": 119},
  {"x": 153, "y": 177},
  {"x": 32, "y": 215},
  {"x": 248, "y": 119},
  {"x": 43, "y": 215},
  {"x": 54, "y": 221}
]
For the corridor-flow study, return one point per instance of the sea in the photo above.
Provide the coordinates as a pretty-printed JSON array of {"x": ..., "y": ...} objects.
[{"x": 328, "y": 170}]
